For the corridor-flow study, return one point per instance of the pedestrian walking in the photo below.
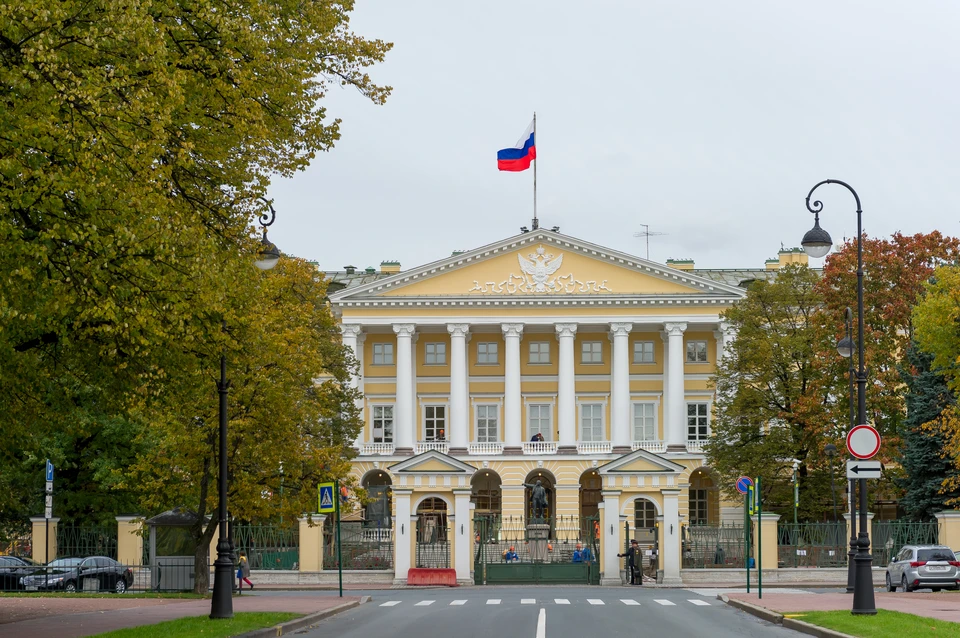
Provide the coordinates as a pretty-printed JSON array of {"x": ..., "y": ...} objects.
[
  {"x": 634, "y": 562},
  {"x": 243, "y": 571}
]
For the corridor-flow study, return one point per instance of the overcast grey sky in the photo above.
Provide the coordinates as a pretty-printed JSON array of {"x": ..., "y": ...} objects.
[{"x": 709, "y": 121}]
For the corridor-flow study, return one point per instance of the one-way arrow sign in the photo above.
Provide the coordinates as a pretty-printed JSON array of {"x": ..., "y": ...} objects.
[{"x": 863, "y": 469}]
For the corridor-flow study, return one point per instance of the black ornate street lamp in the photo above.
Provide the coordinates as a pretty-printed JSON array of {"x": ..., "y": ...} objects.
[
  {"x": 846, "y": 347},
  {"x": 817, "y": 243},
  {"x": 221, "y": 605}
]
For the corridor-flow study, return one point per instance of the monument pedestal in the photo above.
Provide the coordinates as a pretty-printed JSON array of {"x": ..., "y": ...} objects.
[{"x": 537, "y": 539}]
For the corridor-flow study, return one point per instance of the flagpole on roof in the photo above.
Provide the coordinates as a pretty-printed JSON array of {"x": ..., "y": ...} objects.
[{"x": 536, "y": 224}]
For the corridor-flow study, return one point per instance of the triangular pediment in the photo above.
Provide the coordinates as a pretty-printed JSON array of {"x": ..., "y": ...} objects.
[
  {"x": 542, "y": 264},
  {"x": 432, "y": 462},
  {"x": 641, "y": 462}
]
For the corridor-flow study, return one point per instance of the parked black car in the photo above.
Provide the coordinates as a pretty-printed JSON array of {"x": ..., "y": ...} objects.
[
  {"x": 13, "y": 568},
  {"x": 73, "y": 574}
]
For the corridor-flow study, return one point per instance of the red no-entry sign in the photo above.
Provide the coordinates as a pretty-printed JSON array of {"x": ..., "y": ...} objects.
[{"x": 863, "y": 441}]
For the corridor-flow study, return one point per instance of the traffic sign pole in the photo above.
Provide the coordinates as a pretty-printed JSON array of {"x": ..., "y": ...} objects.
[
  {"x": 336, "y": 500},
  {"x": 759, "y": 507},
  {"x": 746, "y": 535}
]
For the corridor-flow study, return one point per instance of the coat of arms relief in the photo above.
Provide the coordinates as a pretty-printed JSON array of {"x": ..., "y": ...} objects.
[{"x": 538, "y": 274}]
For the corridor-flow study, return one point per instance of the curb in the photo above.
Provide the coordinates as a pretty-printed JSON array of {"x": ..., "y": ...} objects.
[
  {"x": 778, "y": 619},
  {"x": 311, "y": 619}
]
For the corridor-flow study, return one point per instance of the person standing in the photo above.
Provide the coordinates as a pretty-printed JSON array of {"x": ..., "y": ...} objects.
[
  {"x": 243, "y": 571},
  {"x": 634, "y": 562}
]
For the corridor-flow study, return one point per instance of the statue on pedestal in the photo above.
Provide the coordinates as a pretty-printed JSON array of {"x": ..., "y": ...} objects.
[{"x": 538, "y": 499}]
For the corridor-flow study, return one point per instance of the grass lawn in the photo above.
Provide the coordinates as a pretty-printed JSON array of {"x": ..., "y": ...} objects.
[
  {"x": 886, "y": 624},
  {"x": 241, "y": 622},
  {"x": 61, "y": 594}
]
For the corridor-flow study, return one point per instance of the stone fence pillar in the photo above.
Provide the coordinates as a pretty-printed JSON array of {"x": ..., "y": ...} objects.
[
  {"x": 129, "y": 540},
  {"x": 766, "y": 533},
  {"x": 949, "y": 528},
  {"x": 43, "y": 550},
  {"x": 311, "y": 543}
]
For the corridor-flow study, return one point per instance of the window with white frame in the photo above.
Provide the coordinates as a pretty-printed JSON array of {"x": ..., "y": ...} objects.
[
  {"x": 435, "y": 423},
  {"x": 539, "y": 421},
  {"x": 383, "y": 424},
  {"x": 698, "y": 507},
  {"x": 645, "y": 421},
  {"x": 539, "y": 352},
  {"x": 696, "y": 352},
  {"x": 591, "y": 421},
  {"x": 643, "y": 352},
  {"x": 383, "y": 354},
  {"x": 698, "y": 421},
  {"x": 487, "y": 352},
  {"x": 488, "y": 423},
  {"x": 591, "y": 352},
  {"x": 436, "y": 354}
]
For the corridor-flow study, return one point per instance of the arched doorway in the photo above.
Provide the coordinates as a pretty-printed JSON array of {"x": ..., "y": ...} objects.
[
  {"x": 377, "y": 512},
  {"x": 487, "y": 498},
  {"x": 591, "y": 493},
  {"x": 704, "y": 508},
  {"x": 549, "y": 483},
  {"x": 433, "y": 547}
]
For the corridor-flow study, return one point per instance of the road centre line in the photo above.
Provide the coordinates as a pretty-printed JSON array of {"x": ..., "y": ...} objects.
[{"x": 542, "y": 623}]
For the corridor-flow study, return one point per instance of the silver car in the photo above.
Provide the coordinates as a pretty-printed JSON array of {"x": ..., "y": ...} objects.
[{"x": 922, "y": 566}]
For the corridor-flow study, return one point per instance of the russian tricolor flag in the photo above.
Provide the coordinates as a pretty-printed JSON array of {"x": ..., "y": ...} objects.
[{"x": 518, "y": 157}]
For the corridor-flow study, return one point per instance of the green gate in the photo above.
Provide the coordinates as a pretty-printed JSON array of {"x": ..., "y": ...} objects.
[
  {"x": 812, "y": 544},
  {"x": 560, "y": 550},
  {"x": 713, "y": 546}
]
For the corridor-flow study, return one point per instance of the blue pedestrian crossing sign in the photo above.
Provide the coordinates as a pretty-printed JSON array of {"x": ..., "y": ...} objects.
[
  {"x": 327, "y": 504},
  {"x": 743, "y": 484}
]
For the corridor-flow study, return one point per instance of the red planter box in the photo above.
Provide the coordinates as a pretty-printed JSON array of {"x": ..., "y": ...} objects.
[{"x": 425, "y": 576}]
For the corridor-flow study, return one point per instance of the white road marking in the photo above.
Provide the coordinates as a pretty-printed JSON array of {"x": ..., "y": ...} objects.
[
  {"x": 542, "y": 623},
  {"x": 493, "y": 601},
  {"x": 594, "y": 601},
  {"x": 458, "y": 602},
  {"x": 390, "y": 603},
  {"x": 561, "y": 601},
  {"x": 662, "y": 601},
  {"x": 528, "y": 601},
  {"x": 697, "y": 601},
  {"x": 424, "y": 603},
  {"x": 629, "y": 601}
]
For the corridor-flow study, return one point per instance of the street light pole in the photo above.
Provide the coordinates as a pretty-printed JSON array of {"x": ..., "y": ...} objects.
[
  {"x": 817, "y": 243},
  {"x": 845, "y": 347}
]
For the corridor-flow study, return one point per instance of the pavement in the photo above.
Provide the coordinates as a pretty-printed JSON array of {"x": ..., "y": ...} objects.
[{"x": 941, "y": 605}]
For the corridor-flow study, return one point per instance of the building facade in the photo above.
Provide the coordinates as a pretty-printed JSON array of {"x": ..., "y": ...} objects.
[{"x": 539, "y": 357}]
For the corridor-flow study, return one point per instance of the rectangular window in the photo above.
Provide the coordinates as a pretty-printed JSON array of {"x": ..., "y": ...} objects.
[
  {"x": 696, "y": 352},
  {"x": 383, "y": 424},
  {"x": 645, "y": 421},
  {"x": 436, "y": 354},
  {"x": 591, "y": 352},
  {"x": 435, "y": 423},
  {"x": 643, "y": 352},
  {"x": 487, "y": 352},
  {"x": 591, "y": 422},
  {"x": 383, "y": 354},
  {"x": 488, "y": 423},
  {"x": 698, "y": 507},
  {"x": 698, "y": 424},
  {"x": 539, "y": 422},
  {"x": 539, "y": 352}
]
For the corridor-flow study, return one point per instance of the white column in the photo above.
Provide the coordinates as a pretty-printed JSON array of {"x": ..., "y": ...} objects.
[
  {"x": 566, "y": 387},
  {"x": 612, "y": 542},
  {"x": 676, "y": 426},
  {"x": 414, "y": 416},
  {"x": 670, "y": 548},
  {"x": 512, "y": 436},
  {"x": 464, "y": 544},
  {"x": 404, "y": 413},
  {"x": 620, "y": 386},
  {"x": 351, "y": 334},
  {"x": 459, "y": 408},
  {"x": 402, "y": 533}
]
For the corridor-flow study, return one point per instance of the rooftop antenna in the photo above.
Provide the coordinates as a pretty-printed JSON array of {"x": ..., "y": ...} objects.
[{"x": 647, "y": 234}]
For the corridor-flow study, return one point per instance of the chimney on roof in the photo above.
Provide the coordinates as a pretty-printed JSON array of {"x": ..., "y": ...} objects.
[
  {"x": 787, "y": 256},
  {"x": 389, "y": 267},
  {"x": 370, "y": 270},
  {"x": 350, "y": 269},
  {"x": 680, "y": 264}
]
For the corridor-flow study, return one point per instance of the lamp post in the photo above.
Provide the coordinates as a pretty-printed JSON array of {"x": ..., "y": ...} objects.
[
  {"x": 846, "y": 347},
  {"x": 221, "y": 604},
  {"x": 817, "y": 243},
  {"x": 831, "y": 451}
]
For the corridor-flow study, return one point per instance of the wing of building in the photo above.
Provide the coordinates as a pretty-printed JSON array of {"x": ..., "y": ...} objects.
[{"x": 539, "y": 357}]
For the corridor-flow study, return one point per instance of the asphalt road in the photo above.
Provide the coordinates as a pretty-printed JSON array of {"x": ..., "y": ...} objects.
[{"x": 543, "y": 612}]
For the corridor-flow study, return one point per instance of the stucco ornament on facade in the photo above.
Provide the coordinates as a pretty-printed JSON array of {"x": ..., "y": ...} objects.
[{"x": 538, "y": 270}]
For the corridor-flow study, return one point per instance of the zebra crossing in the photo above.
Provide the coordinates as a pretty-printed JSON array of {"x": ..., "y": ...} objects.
[{"x": 630, "y": 602}]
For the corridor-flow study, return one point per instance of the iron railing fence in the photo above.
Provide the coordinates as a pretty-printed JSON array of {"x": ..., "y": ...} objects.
[
  {"x": 887, "y": 538},
  {"x": 713, "y": 546},
  {"x": 433, "y": 543},
  {"x": 497, "y": 536},
  {"x": 362, "y": 547},
  {"x": 268, "y": 546},
  {"x": 86, "y": 540},
  {"x": 812, "y": 544}
]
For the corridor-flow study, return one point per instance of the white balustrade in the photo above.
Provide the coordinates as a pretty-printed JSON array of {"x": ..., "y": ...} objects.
[
  {"x": 594, "y": 447},
  {"x": 695, "y": 446},
  {"x": 376, "y": 534},
  {"x": 485, "y": 448},
  {"x": 649, "y": 446},
  {"x": 426, "y": 446},
  {"x": 539, "y": 447},
  {"x": 370, "y": 449}
]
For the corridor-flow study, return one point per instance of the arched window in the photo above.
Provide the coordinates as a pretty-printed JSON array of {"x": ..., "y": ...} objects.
[{"x": 377, "y": 512}]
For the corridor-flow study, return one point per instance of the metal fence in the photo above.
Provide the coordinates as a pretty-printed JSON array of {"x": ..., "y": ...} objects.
[
  {"x": 713, "y": 546},
  {"x": 86, "y": 540},
  {"x": 268, "y": 546},
  {"x": 362, "y": 547},
  {"x": 433, "y": 542},
  {"x": 812, "y": 544},
  {"x": 887, "y": 538}
]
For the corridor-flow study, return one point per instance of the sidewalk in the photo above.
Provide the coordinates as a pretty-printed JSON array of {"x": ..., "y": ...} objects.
[
  {"x": 943, "y": 606},
  {"x": 73, "y": 618}
]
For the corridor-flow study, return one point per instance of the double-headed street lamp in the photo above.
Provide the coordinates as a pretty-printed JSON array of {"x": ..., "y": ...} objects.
[
  {"x": 817, "y": 243},
  {"x": 221, "y": 605}
]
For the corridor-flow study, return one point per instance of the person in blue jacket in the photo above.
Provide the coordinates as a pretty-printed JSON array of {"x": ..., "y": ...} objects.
[{"x": 511, "y": 556}]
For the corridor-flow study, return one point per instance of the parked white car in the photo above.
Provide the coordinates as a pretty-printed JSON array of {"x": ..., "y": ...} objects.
[{"x": 921, "y": 566}]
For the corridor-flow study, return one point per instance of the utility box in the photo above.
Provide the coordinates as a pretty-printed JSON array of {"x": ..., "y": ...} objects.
[{"x": 172, "y": 550}]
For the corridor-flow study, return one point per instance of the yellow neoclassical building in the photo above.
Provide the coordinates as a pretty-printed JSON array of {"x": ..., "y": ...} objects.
[{"x": 538, "y": 357}]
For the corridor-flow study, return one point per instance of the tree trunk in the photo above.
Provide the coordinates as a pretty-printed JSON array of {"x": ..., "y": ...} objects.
[{"x": 201, "y": 568}]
